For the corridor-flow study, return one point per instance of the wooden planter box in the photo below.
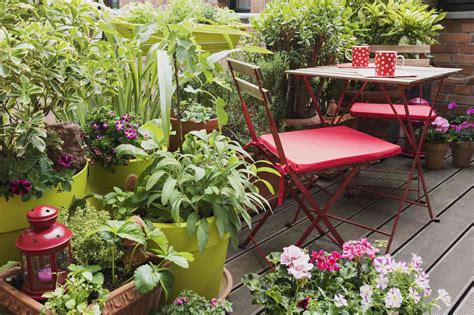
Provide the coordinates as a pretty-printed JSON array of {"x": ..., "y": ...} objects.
[{"x": 122, "y": 301}]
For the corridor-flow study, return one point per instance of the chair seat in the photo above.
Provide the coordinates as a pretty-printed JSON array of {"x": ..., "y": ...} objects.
[
  {"x": 323, "y": 148},
  {"x": 377, "y": 110}
]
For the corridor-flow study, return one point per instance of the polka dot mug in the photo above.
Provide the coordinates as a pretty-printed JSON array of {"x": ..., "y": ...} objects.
[
  {"x": 359, "y": 55},
  {"x": 385, "y": 62}
]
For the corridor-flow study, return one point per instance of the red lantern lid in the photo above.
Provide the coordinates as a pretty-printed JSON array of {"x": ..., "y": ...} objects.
[
  {"x": 418, "y": 101},
  {"x": 45, "y": 234}
]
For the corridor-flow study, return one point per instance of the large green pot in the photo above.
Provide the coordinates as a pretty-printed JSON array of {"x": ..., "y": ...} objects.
[
  {"x": 13, "y": 213},
  {"x": 204, "y": 274},
  {"x": 211, "y": 38},
  {"x": 102, "y": 181}
]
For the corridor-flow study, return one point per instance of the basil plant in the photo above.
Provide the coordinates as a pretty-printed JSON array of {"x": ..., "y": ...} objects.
[{"x": 212, "y": 177}]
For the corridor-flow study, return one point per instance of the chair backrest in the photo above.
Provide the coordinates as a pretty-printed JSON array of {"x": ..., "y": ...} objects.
[
  {"x": 258, "y": 92},
  {"x": 420, "y": 52}
]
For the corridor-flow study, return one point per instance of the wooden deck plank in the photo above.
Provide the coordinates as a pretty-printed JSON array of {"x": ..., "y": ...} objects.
[
  {"x": 241, "y": 297},
  {"x": 466, "y": 306}
]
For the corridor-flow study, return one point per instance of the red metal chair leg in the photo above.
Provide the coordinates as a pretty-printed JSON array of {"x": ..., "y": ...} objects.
[{"x": 256, "y": 228}]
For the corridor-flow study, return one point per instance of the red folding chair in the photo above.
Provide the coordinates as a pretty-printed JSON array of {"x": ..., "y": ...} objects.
[{"x": 299, "y": 154}]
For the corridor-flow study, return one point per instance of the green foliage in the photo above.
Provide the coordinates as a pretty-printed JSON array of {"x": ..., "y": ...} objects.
[
  {"x": 83, "y": 287},
  {"x": 189, "y": 302},
  {"x": 88, "y": 249},
  {"x": 209, "y": 179},
  {"x": 105, "y": 131},
  {"x": 401, "y": 22},
  {"x": 8, "y": 265},
  {"x": 25, "y": 168},
  {"x": 198, "y": 113}
]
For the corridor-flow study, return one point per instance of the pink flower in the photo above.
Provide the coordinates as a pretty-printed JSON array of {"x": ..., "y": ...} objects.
[
  {"x": 441, "y": 124},
  {"x": 452, "y": 105},
  {"x": 383, "y": 264},
  {"x": 213, "y": 302},
  {"x": 325, "y": 261},
  {"x": 394, "y": 298},
  {"x": 65, "y": 160},
  {"x": 118, "y": 125},
  {"x": 125, "y": 117},
  {"x": 130, "y": 134},
  {"x": 111, "y": 113},
  {"x": 470, "y": 111},
  {"x": 360, "y": 248},
  {"x": 300, "y": 268},
  {"x": 20, "y": 187},
  {"x": 289, "y": 254},
  {"x": 178, "y": 301}
]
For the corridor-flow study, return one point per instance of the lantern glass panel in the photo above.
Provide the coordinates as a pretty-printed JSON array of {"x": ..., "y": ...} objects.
[
  {"x": 63, "y": 260},
  {"x": 42, "y": 272}
]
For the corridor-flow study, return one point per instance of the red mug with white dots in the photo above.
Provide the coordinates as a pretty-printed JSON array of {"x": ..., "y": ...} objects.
[
  {"x": 385, "y": 63},
  {"x": 359, "y": 56}
]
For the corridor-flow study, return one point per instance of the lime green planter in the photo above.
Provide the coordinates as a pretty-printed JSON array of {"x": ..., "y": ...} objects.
[
  {"x": 102, "y": 181},
  {"x": 13, "y": 213},
  {"x": 204, "y": 274},
  {"x": 211, "y": 38}
]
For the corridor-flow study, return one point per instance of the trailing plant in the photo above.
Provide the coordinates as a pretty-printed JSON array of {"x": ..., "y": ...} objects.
[
  {"x": 210, "y": 178},
  {"x": 148, "y": 275},
  {"x": 82, "y": 293},
  {"x": 189, "y": 302},
  {"x": 89, "y": 249},
  {"x": 105, "y": 131},
  {"x": 355, "y": 281}
]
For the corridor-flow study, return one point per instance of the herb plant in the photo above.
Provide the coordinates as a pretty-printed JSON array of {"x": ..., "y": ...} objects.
[
  {"x": 198, "y": 113},
  {"x": 210, "y": 178},
  {"x": 189, "y": 302}
]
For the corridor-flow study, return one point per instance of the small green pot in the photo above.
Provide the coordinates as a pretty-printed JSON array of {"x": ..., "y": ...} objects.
[
  {"x": 102, "y": 181},
  {"x": 14, "y": 212},
  {"x": 204, "y": 274}
]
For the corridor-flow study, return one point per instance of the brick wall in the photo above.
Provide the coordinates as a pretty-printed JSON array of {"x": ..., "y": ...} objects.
[{"x": 456, "y": 49}]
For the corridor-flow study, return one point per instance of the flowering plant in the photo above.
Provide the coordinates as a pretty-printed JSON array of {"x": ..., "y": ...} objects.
[
  {"x": 357, "y": 281},
  {"x": 189, "y": 302},
  {"x": 105, "y": 132},
  {"x": 438, "y": 131},
  {"x": 462, "y": 126}
]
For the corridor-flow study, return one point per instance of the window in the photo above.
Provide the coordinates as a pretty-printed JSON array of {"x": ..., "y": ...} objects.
[
  {"x": 456, "y": 5},
  {"x": 240, "y": 5}
]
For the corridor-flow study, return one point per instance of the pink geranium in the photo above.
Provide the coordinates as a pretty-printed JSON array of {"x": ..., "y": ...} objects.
[
  {"x": 297, "y": 262},
  {"x": 353, "y": 249},
  {"x": 441, "y": 124}
]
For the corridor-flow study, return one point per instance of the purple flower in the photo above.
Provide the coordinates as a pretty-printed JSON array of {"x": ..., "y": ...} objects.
[
  {"x": 99, "y": 137},
  {"x": 213, "y": 302},
  {"x": 125, "y": 117},
  {"x": 470, "y": 111},
  {"x": 104, "y": 126},
  {"x": 97, "y": 151},
  {"x": 118, "y": 125},
  {"x": 65, "y": 160},
  {"x": 111, "y": 113},
  {"x": 130, "y": 133},
  {"x": 95, "y": 125},
  {"x": 452, "y": 105},
  {"x": 20, "y": 187},
  {"x": 178, "y": 301}
]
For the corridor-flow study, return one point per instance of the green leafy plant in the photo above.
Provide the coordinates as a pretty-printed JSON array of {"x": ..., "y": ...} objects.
[
  {"x": 82, "y": 293},
  {"x": 198, "y": 113},
  {"x": 189, "y": 302},
  {"x": 210, "y": 178},
  {"x": 8, "y": 265}
]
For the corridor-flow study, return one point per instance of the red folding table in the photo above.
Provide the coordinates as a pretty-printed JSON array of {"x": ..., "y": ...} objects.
[{"x": 404, "y": 113}]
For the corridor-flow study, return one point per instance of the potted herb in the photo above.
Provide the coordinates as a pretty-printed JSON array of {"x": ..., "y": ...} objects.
[
  {"x": 462, "y": 136},
  {"x": 198, "y": 198},
  {"x": 355, "y": 281},
  {"x": 189, "y": 302},
  {"x": 130, "y": 279},
  {"x": 106, "y": 131},
  {"x": 436, "y": 143}
]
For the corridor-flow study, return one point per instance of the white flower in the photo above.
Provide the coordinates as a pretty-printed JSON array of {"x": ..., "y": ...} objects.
[
  {"x": 414, "y": 295},
  {"x": 366, "y": 293},
  {"x": 444, "y": 297},
  {"x": 400, "y": 266},
  {"x": 383, "y": 264},
  {"x": 382, "y": 282},
  {"x": 394, "y": 298},
  {"x": 340, "y": 301},
  {"x": 416, "y": 261},
  {"x": 300, "y": 267},
  {"x": 290, "y": 253},
  {"x": 422, "y": 280}
]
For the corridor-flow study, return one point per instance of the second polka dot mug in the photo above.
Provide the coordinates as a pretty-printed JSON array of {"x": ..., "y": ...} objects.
[
  {"x": 385, "y": 62},
  {"x": 360, "y": 56}
]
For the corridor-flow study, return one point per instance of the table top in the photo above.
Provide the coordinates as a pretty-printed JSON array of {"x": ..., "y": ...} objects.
[{"x": 423, "y": 74}]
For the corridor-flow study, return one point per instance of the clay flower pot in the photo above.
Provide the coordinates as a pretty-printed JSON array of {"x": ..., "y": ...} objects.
[
  {"x": 462, "y": 153},
  {"x": 434, "y": 155},
  {"x": 124, "y": 300}
]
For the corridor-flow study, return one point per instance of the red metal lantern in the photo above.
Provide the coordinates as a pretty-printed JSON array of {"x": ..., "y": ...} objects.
[{"x": 45, "y": 251}]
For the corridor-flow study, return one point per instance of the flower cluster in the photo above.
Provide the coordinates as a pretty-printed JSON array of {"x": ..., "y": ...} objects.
[
  {"x": 462, "y": 126},
  {"x": 105, "y": 132},
  {"x": 438, "y": 131},
  {"x": 297, "y": 262},
  {"x": 357, "y": 280},
  {"x": 440, "y": 124},
  {"x": 188, "y": 302}
]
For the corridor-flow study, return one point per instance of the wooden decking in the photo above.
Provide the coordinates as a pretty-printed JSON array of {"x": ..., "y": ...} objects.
[{"x": 446, "y": 247}]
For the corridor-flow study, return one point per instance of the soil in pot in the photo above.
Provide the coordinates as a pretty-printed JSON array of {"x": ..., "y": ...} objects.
[
  {"x": 434, "y": 155},
  {"x": 14, "y": 213},
  {"x": 204, "y": 274},
  {"x": 462, "y": 153}
]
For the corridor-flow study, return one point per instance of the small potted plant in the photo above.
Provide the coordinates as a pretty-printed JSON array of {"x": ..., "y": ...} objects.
[
  {"x": 436, "y": 143},
  {"x": 105, "y": 131},
  {"x": 189, "y": 302},
  {"x": 198, "y": 198},
  {"x": 462, "y": 136},
  {"x": 355, "y": 281},
  {"x": 128, "y": 277}
]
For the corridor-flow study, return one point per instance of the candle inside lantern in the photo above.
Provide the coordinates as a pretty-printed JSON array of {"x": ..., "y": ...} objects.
[{"x": 45, "y": 275}]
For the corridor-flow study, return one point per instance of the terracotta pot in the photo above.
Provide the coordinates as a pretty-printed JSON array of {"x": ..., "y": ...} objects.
[
  {"x": 122, "y": 301},
  {"x": 189, "y": 126},
  {"x": 434, "y": 155},
  {"x": 462, "y": 153}
]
